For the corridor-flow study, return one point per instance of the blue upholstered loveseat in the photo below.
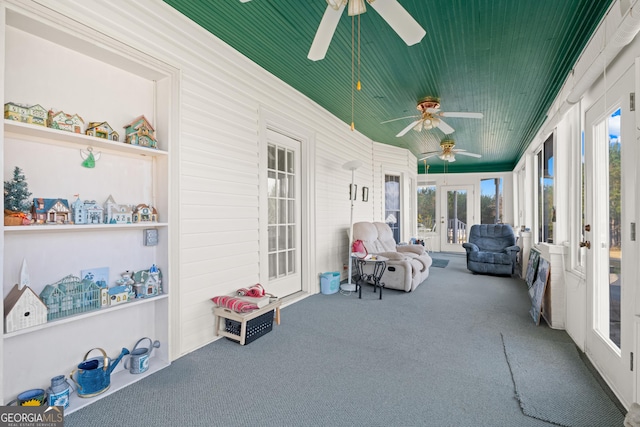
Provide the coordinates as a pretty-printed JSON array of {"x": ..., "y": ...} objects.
[{"x": 491, "y": 249}]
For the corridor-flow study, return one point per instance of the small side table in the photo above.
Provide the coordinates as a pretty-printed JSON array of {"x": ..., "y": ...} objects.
[{"x": 379, "y": 266}]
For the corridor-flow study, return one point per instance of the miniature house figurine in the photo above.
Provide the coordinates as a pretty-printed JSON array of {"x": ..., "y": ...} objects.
[
  {"x": 51, "y": 211},
  {"x": 140, "y": 132},
  {"x": 70, "y": 295},
  {"x": 64, "y": 121},
  {"x": 34, "y": 114},
  {"x": 87, "y": 212},
  {"x": 148, "y": 282},
  {"x": 117, "y": 214},
  {"x": 102, "y": 130},
  {"x": 144, "y": 213},
  {"x": 23, "y": 309},
  {"x": 118, "y": 295}
]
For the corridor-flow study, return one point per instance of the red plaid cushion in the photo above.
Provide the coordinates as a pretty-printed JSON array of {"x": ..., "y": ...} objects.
[{"x": 234, "y": 304}]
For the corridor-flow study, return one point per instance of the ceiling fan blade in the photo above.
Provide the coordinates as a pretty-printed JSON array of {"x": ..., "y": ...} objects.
[
  {"x": 400, "y": 20},
  {"x": 400, "y": 118},
  {"x": 445, "y": 128},
  {"x": 408, "y": 128},
  {"x": 324, "y": 34},
  {"x": 428, "y": 156},
  {"x": 466, "y": 153},
  {"x": 463, "y": 115}
]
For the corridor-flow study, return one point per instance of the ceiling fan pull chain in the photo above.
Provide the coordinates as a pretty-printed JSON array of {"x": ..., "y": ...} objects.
[
  {"x": 352, "y": 74},
  {"x": 359, "y": 85}
]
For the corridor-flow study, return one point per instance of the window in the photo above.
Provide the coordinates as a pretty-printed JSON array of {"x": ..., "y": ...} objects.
[
  {"x": 426, "y": 209},
  {"x": 491, "y": 201},
  {"x": 392, "y": 204},
  {"x": 546, "y": 210},
  {"x": 281, "y": 170}
]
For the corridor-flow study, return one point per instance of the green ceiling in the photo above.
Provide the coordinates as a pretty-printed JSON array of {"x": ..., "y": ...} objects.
[{"x": 506, "y": 59}]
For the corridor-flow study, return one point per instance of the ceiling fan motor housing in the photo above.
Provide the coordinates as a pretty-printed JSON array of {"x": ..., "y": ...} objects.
[{"x": 428, "y": 103}]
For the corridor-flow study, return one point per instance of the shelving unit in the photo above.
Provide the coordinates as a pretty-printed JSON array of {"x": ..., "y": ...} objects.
[{"x": 60, "y": 64}]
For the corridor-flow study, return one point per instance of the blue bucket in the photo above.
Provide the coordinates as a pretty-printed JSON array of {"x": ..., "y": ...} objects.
[{"x": 329, "y": 282}]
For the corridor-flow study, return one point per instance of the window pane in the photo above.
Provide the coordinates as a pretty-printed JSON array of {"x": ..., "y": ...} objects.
[
  {"x": 281, "y": 159},
  {"x": 273, "y": 211},
  {"x": 290, "y": 187},
  {"x": 273, "y": 266},
  {"x": 456, "y": 216},
  {"x": 392, "y": 204},
  {"x": 282, "y": 237},
  {"x": 291, "y": 262},
  {"x": 272, "y": 238},
  {"x": 282, "y": 212},
  {"x": 615, "y": 226},
  {"x": 271, "y": 157},
  {"x": 546, "y": 210},
  {"x": 271, "y": 184},
  {"x": 491, "y": 201},
  {"x": 290, "y": 165},
  {"x": 426, "y": 209},
  {"x": 291, "y": 241},
  {"x": 282, "y": 185},
  {"x": 282, "y": 263}
]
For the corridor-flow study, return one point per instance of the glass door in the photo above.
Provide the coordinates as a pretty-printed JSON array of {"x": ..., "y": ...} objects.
[
  {"x": 610, "y": 200},
  {"x": 456, "y": 217},
  {"x": 284, "y": 237}
]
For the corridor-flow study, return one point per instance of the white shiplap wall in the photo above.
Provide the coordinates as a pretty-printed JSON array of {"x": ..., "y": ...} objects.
[{"x": 218, "y": 158}]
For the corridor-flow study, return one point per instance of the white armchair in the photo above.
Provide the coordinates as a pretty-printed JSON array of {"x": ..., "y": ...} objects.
[{"x": 408, "y": 265}]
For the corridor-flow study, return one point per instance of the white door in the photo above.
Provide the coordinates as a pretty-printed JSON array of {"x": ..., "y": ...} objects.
[
  {"x": 284, "y": 211},
  {"x": 611, "y": 255},
  {"x": 456, "y": 216}
]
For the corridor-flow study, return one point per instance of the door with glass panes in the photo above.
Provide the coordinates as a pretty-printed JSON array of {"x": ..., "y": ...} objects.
[
  {"x": 284, "y": 236},
  {"x": 610, "y": 195}
]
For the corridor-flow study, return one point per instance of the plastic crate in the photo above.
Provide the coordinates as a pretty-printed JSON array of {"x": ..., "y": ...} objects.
[{"x": 255, "y": 327}]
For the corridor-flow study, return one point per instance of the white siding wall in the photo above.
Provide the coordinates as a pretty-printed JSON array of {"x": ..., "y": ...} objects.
[{"x": 218, "y": 148}]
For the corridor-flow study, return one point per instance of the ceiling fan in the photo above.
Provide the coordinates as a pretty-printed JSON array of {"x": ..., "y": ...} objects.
[
  {"x": 429, "y": 117},
  {"x": 390, "y": 10},
  {"x": 447, "y": 152}
]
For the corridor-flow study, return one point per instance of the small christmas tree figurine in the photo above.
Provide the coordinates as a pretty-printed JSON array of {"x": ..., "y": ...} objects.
[{"x": 16, "y": 199}]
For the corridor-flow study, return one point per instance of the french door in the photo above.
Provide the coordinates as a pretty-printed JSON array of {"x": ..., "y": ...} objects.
[
  {"x": 284, "y": 212},
  {"x": 456, "y": 216},
  {"x": 611, "y": 255}
]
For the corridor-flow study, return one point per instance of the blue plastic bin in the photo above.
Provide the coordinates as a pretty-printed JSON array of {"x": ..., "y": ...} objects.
[{"x": 329, "y": 282}]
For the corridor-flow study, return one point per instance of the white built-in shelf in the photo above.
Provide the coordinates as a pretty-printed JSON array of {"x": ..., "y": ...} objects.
[
  {"x": 79, "y": 227},
  {"x": 53, "y": 323},
  {"x": 15, "y": 129}
]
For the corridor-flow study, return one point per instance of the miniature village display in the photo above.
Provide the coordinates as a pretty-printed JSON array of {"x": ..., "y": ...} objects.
[
  {"x": 140, "y": 132},
  {"x": 16, "y": 200},
  {"x": 102, "y": 130},
  {"x": 63, "y": 121},
  {"x": 59, "y": 211},
  {"x": 51, "y": 211},
  {"x": 31, "y": 114}
]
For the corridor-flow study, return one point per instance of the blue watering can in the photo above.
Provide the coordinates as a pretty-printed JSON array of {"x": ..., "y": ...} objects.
[{"x": 94, "y": 375}]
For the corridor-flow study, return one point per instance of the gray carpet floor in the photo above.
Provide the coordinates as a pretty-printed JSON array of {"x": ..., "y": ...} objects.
[{"x": 432, "y": 357}]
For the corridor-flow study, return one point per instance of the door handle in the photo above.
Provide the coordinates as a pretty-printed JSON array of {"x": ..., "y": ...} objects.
[{"x": 585, "y": 244}]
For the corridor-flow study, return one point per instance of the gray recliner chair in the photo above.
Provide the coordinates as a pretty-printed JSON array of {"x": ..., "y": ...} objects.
[{"x": 491, "y": 249}]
